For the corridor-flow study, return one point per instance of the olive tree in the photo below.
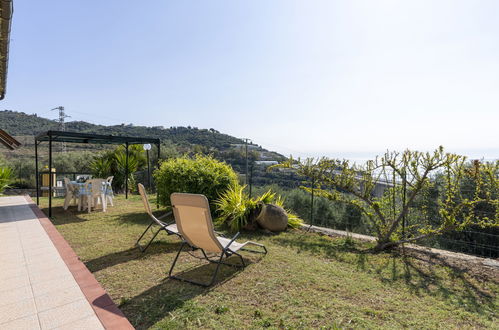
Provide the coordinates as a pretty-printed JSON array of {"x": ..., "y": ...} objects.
[{"x": 392, "y": 192}]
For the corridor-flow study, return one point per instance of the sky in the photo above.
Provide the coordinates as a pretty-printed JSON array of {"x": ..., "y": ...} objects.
[{"x": 347, "y": 79}]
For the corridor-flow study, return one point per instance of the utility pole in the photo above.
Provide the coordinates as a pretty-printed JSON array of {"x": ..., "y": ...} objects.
[{"x": 62, "y": 127}]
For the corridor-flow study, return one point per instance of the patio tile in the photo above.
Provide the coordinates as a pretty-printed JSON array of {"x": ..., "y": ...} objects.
[
  {"x": 9, "y": 236},
  {"x": 48, "y": 251},
  {"x": 37, "y": 277},
  {"x": 17, "y": 310},
  {"x": 28, "y": 322},
  {"x": 13, "y": 265},
  {"x": 8, "y": 229},
  {"x": 14, "y": 295},
  {"x": 44, "y": 256},
  {"x": 91, "y": 322},
  {"x": 33, "y": 233},
  {"x": 14, "y": 283},
  {"x": 12, "y": 262},
  {"x": 53, "y": 285},
  {"x": 45, "y": 266},
  {"x": 63, "y": 297},
  {"x": 12, "y": 258},
  {"x": 36, "y": 242},
  {"x": 13, "y": 271},
  {"x": 38, "y": 249},
  {"x": 31, "y": 229},
  {"x": 10, "y": 246},
  {"x": 65, "y": 314}
]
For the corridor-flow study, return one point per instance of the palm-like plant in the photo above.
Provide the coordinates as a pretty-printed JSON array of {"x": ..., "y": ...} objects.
[
  {"x": 101, "y": 167},
  {"x": 5, "y": 178},
  {"x": 234, "y": 207},
  {"x": 122, "y": 168},
  {"x": 115, "y": 163}
]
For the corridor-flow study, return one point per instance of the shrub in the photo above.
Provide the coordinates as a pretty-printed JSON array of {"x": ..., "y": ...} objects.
[
  {"x": 20, "y": 184},
  {"x": 199, "y": 175}
]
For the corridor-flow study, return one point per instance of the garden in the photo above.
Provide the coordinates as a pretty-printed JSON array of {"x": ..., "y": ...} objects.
[{"x": 307, "y": 279}]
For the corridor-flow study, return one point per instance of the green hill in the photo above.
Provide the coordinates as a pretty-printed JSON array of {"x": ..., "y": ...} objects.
[
  {"x": 175, "y": 141},
  {"x": 22, "y": 124}
]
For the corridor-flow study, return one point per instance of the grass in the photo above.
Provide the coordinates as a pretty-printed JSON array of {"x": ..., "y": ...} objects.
[{"x": 306, "y": 281}]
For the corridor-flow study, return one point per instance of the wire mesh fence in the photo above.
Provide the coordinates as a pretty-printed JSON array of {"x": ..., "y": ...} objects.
[{"x": 315, "y": 210}]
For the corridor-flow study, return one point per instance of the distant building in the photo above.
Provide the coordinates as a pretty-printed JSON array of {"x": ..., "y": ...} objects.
[
  {"x": 243, "y": 146},
  {"x": 266, "y": 162}
]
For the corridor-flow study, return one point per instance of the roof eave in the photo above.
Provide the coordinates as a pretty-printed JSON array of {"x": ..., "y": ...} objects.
[{"x": 6, "y": 10}]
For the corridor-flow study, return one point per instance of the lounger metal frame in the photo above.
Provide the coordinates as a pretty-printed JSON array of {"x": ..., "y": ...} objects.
[
  {"x": 226, "y": 251},
  {"x": 162, "y": 225}
]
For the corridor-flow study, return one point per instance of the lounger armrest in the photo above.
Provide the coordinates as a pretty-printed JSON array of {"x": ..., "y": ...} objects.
[{"x": 232, "y": 240}]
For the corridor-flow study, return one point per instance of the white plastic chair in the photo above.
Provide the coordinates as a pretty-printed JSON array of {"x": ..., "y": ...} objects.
[
  {"x": 92, "y": 191},
  {"x": 109, "y": 190},
  {"x": 71, "y": 193}
]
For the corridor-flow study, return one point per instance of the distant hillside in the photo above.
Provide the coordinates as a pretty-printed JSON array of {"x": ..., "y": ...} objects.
[
  {"x": 176, "y": 141},
  {"x": 187, "y": 138},
  {"x": 20, "y": 123}
]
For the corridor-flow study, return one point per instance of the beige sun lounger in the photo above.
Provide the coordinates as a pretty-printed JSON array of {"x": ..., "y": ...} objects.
[
  {"x": 195, "y": 225},
  {"x": 169, "y": 228}
]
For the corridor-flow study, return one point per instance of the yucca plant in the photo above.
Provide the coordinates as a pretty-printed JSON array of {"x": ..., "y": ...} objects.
[
  {"x": 234, "y": 207},
  {"x": 267, "y": 198},
  {"x": 5, "y": 178},
  {"x": 121, "y": 169},
  {"x": 101, "y": 167}
]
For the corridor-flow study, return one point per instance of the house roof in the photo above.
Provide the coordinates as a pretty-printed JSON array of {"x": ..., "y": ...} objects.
[
  {"x": 74, "y": 137},
  {"x": 6, "y": 9}
]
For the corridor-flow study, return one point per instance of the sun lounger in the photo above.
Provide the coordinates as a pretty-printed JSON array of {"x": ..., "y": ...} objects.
[{"x": 195, "y": 225}]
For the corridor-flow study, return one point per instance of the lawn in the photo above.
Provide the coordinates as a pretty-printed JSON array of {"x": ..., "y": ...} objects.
[{"x": 306, "y": 280}]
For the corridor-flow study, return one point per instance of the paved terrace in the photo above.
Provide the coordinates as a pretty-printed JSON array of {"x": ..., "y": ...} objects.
[{"x": 43, "y": 284}]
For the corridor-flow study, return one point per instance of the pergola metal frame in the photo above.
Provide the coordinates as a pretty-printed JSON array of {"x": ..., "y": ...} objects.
[{"x": 84, "y": 138}]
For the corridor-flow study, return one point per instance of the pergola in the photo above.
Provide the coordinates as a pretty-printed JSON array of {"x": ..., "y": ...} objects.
[{"x": 73, "y": 137}]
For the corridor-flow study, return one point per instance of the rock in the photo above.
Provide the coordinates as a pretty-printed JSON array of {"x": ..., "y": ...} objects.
[{"x": 273, "y": 218}]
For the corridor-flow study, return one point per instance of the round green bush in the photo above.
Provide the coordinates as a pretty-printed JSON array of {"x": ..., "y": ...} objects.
[{"x": 199, "y": 175}]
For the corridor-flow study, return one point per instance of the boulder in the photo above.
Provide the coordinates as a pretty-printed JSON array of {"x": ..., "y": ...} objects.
[{"x": 273, "y": 218}]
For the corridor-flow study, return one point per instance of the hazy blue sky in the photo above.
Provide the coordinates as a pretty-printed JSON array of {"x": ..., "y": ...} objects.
[{"x": 335, "y": 78}]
